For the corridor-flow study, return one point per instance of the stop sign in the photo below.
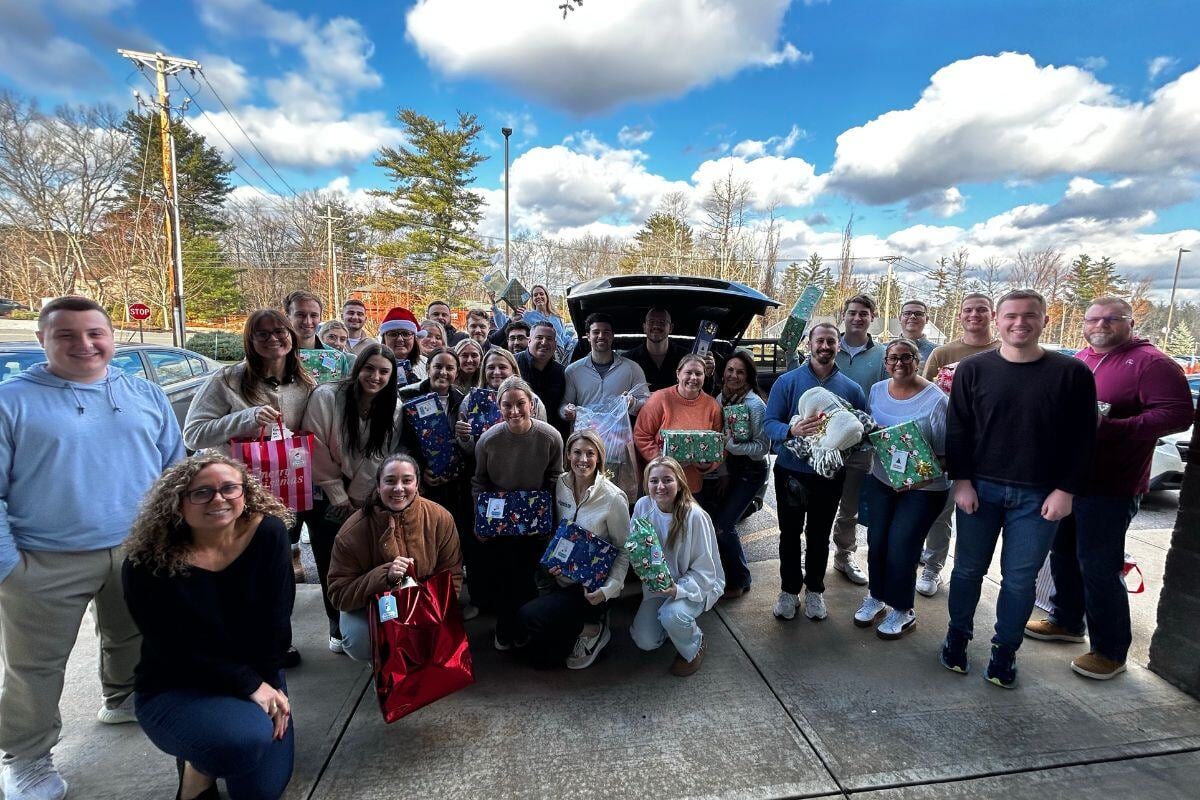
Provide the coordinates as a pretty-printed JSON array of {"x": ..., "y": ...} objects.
[{"x": 139, "y": 311}]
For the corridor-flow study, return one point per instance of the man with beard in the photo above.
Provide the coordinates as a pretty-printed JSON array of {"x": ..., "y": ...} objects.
[
  {"x": 354, "y": 314},
  {"x": 478, "y": 328},
  {"x": 1148, "y": 398},
  {"x": 913, "y": 316},
  {"x": 517, "y": 332},
  {"x": 547, "y": 377},
  {"x": 659, "y": 357},
  {"x": 439, "y": 311},
  {"x": 807, "y": 501}
]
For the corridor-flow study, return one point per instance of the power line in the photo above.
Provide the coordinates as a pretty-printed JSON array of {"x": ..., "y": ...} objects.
[{"x": 221, "y": 133}]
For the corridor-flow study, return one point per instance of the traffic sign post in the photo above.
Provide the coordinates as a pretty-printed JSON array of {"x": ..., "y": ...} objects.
[{"x": 140, "y": 312}]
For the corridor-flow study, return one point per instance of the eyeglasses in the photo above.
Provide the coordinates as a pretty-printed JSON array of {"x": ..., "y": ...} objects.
[
  {"x": 230, "y": 491},
  {"x": 264, "y": 336},
  {"x": 903, "y": 358},
  {"x": 1109, "y": 320},
  {"x": 912, "y": 313}
]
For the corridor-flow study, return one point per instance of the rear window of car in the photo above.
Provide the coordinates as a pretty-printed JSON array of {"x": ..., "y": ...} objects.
[
  {"x": 170, "y": 367},
  {"x": 198, "y": 365},
  {"x": 130, "y": 364},
  {"x": 13, "y": 364}
]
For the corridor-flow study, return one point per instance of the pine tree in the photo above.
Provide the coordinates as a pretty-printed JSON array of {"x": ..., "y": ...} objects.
[
  {"x": 664, "y": 245},
  {"x": 1181, "y": 341},
  {"x": 434, "y": 212},
  {"x": 210, "y": 284}
]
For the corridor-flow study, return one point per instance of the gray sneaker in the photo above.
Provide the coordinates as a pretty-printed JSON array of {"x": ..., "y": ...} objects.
[
  {"x": 814, "y": 606},
  {"x": 785, "y": 606},
  {"x": 849, "y": 567},
  {"x": 35, "y": 779},
  {"x": 118, "y": 714},
  {"x": 929, "y": 582},
  {"x": 588, "y": 647}
]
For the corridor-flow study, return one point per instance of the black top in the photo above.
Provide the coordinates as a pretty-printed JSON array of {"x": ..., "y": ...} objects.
[
  {"x": 1031, "y": 424},
  {"x": 549, "y": 384},
  {"x": 662, "y": 377},
  {"x": 223, "y": 632}
]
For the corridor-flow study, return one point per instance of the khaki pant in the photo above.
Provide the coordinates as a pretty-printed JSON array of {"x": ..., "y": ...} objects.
[
  {"x": 42, "y": 603},
  {"x": 845, "y": 525}
]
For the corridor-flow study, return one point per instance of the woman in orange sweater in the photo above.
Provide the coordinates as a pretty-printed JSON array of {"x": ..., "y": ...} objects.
[{"x": 683, "y": 407}]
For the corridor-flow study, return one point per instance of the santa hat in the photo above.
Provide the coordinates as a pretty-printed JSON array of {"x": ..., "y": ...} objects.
[{"x": 400, "y": 319}]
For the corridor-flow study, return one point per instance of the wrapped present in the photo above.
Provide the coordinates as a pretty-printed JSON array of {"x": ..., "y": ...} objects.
[
  {"x": 737, "y": 422},
  {"x": 495, "y": 282},
  {"x": 326, "y": 366},
  {"x": 694, "y": 447},
  {"x": 404, "y": 373},
  {"x": 798, "y": 318},
  {"x": 646, "y": 555},
  {"x": 580, "y": 556},
  {"x": 515, "y": 294},
  {"x": 945, "y": 377},
  {"x": 480, "y": 409},
  {"x": 514, "y": 513},
  {"x": 435, "y": 435},
  {"x": 704, "y": 338},
  {"x": 905, "y": 455}
]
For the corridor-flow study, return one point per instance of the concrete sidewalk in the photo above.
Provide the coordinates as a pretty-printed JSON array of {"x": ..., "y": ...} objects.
[{"x": 780, "y": 709}]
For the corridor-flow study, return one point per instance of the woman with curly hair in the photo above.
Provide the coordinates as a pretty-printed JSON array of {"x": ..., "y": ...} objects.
[{"x": 208, "y": 583}]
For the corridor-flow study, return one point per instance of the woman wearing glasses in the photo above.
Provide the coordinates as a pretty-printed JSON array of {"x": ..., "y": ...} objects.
[
  {"x": 208, "y": 583},
  {"x": 898, "y": 520}
]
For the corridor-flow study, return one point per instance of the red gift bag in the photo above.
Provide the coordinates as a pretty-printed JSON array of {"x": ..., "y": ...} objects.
[
  {"x": 422, "y": 655},
  {"x": 283, "y": 466}
]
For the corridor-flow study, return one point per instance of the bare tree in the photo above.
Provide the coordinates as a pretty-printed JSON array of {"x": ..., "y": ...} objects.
[
  {"x": 1040, "y": 270},
  {"x": 726, "y": 211},
  {"x": 991, "y": 272}
]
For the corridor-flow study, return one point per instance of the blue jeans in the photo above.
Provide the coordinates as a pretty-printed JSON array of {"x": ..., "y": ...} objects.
[
  {"x": 896, "y": 527},
  {"x": 746, "y": 477},
  {"x": 223, "y": 737},
  {"x": 356, "y": 632},
  {"x": 659, "y": 618},
  {"x": 1087, "y": 561},
  {"x": 1027, "y": 539}
]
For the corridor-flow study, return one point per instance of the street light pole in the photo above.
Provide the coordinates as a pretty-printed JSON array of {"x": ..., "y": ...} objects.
[
  {"x": 507, "y": 133},
  {"x": 1174, "y": 284}
]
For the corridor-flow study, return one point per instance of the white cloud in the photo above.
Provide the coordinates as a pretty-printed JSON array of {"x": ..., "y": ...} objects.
[
  {"x": 643, "y": 49},
  {"x": 523, "y": 125},
  {"x": 1093, "y": 63},
  {"x": 1001, "y": 117},
  {"x": 775, "y": 180},
  {"x": 940, "y": 202},
  {"x": 1123, "y": 199},
  {"x": 227, "y": 76},
  {"x": 1158, "y": 65},
  {"x": 776, "y": 145},
  {"x": 633, "y": 135}
]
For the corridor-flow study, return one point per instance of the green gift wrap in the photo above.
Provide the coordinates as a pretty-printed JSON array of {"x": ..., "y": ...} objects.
[
  {"x": 802, "y": 312},
  {"x": 326, "y": 366},
  {"x": 737, "y": 422},
  {"x": 905, "y": 455},
  {"x": 694, "y": 447},
  {"x": 646, "y": 556}
]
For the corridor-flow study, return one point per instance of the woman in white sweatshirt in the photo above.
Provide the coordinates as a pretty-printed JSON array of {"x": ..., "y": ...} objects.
[
  {"x": 355, "y": 424},
  {"x": 570, "y": 622},
  {"x": 689, "y": 544}
]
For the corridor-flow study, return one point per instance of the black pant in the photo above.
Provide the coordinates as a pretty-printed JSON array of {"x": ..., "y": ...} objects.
[
  {"x": 455, "y": 497},
  {"x": 554, "y": 621},
  {"x": 321, "y": 532},
  {"x": 506, "y": 570},
  {"x": 807, "y": 504}
]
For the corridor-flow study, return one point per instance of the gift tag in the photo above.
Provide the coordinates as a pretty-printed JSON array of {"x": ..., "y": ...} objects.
[
  {"x": 387, "y": 608},
  {"x": 427, "y": 408},
  {"x": 329, "y": 362},
  {"x": 296, "y": 457},
  {"x": 563, "y": 551},
  {"x": 279, "y": 432},
  {"x": 899, "y": 461},
  {"x": 495, "y": 508}
]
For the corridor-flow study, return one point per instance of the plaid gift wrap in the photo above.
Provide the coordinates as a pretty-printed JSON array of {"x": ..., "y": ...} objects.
[
  {"x": 646, "y": 555},
  {"x": 801, "y": 313},
  {"x": 694, "y": 447},
  {"x": 905, "y": 456},
  {"x": 435, "y": 435},
  {"x": 481, "y": 410},
  {"x": 326, "y": 366},
  {"x": 581, "y": 556},
  {"x": 514, "y": 513},
  {"x": 515, "y": 294},
  {"x": 737, "y": 422}
]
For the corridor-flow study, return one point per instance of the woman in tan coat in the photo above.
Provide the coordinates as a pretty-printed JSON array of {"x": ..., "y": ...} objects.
[{"x": 397, "y": 534}]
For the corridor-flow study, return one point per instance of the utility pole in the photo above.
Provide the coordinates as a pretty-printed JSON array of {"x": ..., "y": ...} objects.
[
  {"x": 1174, "y": 285},
  {"x": 165, "y": 66},
  {"x": 887, "y": 296},
  {"x": 507, "y": 133},
  {"x": 333, "y": 276}
]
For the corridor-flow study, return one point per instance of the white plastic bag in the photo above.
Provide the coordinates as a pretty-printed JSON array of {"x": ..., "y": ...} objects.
[{"x": 610, "y": 420}]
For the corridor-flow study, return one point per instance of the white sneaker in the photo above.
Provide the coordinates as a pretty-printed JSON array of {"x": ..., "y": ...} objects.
[
  {"x": 849, "y": 567},
  {"x": 33, "y": 780},
  {"x": 588, "y": 647},
  {"x": 785, "y": 606},
  {"x": 118, "y": 714},
  {"x": 335, "y": 645},
  {"x": 814, "y": 606},
  {"x": 897, "y": 624},
  {"x": 870, "y": 610},
  {"x": 304, "y": 538},
  {"x": 929, "y": 582}
]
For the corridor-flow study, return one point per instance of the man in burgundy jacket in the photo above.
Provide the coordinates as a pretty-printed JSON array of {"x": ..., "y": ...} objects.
[{"x": 1149, "y": 398}]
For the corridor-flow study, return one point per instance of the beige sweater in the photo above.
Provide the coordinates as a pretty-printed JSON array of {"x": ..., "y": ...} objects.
[
  {"x": 343, "y": 476},
  {"x": 219, "y": 413}
]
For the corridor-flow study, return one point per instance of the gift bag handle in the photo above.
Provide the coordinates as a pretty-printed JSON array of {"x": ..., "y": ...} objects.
[{"x": 262, "y": 430}]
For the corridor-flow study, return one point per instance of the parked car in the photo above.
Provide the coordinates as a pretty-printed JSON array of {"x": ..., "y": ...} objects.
[
  {"x": 179, "y": 372},
  {"x": 1181, "y": 441},
  {"x": 7, "y": 306}
]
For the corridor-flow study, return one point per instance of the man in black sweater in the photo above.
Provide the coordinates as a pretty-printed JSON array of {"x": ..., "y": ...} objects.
[
  {"x": 547, "y": 377},
  {"x": 1020, "y": 433}
]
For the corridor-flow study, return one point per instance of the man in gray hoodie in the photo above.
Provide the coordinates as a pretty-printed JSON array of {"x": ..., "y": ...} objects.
[{"x": 80, "y": 443}]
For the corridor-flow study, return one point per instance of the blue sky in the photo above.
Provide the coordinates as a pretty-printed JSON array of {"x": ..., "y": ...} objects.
[{"x": 993, "y": 126}]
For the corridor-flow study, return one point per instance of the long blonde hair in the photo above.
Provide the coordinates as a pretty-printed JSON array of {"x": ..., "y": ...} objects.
[
  {"x": 160, "y": 539},
  {"x": 549, "y": 299},
  {"x": 497, "y": 352},
  {"x": 683, "y": 499}
]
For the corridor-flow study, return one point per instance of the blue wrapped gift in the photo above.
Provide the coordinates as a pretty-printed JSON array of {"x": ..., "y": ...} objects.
[
  {"x": 581, "y": 556},
  {"x": 404, "y": 373},
  {"x": 514, "y": 513},
  {"x": 480, "y": 409},
  {"x": 435, "y": 435}
]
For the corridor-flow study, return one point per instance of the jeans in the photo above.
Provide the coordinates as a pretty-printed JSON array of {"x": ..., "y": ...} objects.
[
  {"x": 659, "y": 618},
  {"x": 1087, "y": 562},
  {"x": 221, "y": 736},
  {"x": 554, "y": 621},
  {"x": 1027, "y": 540},
  {"x": 356, "y": 633},
  {"x": 845, "y": 526},
  {"x": 807, "y": 503},
  {"x": 746, "y": 477},
  {"x": 896, "y": 526},
  {"x": 937, "y": 541}
]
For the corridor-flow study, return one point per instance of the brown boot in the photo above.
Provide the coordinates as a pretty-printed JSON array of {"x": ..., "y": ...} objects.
[
  {"x": 683, "y": 669},
  {"x": 297, "y": 566},
  {"x": 1094, "y": 665},
  {"x": 1048, "y": 631}
]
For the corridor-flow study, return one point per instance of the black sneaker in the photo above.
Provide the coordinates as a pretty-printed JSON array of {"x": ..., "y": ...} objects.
[
  {"x": 954, "y": 653},
  {"x": 1002, "y": 669},
  {"x": 291, "y": 658}
]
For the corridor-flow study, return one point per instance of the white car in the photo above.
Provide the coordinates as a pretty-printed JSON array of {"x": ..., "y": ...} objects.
[{"x": 1166, "y": 467}]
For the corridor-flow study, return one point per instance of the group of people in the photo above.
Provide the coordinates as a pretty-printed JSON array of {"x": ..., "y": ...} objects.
[{"x": 190, "y": 565}]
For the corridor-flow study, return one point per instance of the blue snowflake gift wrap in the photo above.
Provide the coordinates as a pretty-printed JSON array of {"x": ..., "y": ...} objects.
[
  {"x": 435, "y": 435},
  {"x": 581, "y": 556},
  {"x": 514, "y": 513}
]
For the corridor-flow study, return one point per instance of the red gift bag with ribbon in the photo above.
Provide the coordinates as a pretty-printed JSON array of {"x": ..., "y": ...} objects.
[
  {"x": 283, "y": 466},
  {"x": 421, "y": 655}
]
